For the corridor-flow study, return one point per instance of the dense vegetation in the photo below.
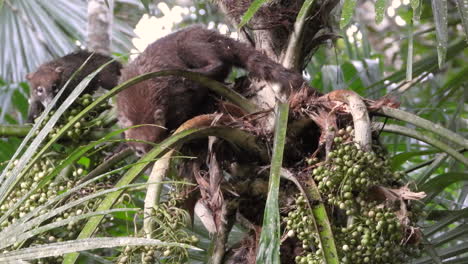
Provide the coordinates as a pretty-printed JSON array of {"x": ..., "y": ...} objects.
[{"x": 386, "y": 189}]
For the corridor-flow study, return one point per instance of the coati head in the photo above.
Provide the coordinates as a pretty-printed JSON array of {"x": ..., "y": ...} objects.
[
  {"x": 149, "y": 131},
  {"x": 45, "y": 83}
]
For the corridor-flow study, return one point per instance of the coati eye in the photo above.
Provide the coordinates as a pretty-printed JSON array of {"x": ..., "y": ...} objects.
[
  {"x": 139, "y": 152},
  {"x": 55, "y": 88},
  {"x": 40, "y": 90}
]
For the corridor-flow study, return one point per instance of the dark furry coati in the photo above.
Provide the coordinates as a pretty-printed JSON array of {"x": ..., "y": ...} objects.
[
  {"x": 169, "y": 101},
  {"x": 50, "y": 77}
]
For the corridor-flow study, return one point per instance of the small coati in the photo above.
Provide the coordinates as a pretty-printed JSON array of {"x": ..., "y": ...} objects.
[
  {"x": 50, "y": 77},
  {"x": 169, "y": 101}
]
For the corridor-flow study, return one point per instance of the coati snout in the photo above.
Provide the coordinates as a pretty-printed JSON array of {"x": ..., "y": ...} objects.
[
  {"x": 149, "y": 132},
  {"x": 144, "y": 133},
  {"x": 50, "y": 77}
]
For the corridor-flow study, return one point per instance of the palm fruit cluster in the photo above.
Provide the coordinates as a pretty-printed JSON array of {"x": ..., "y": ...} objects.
[
  {"x": 170, "y": 225},
  {"x": 38, "y": 172},
  {"x": 299, "y": 224},
  {"x": 32, "y": 178},
  {"x": 366, "y": 230},
  {"x": 81, "y": 128},
  {"x": 41, "y": 169}
]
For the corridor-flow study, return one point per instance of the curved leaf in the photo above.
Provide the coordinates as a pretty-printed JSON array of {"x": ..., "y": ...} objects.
[
  {"x": 269, "y": 245},
  {"x": 253, "y": 8},
  {"x": 448, "y": 254},
  {"x": 442, "y": 181},
  {"x": 380, "y": 7},
  {"x": 347, "y": 12},
  {"x": 399, "y": 159},
  {"x": 429, "y": 140},
  {"x": 20, "y": 237},
  {"x": 426, "y": 124},
  {"x": 452, "y": 235},
  {"x": 449, "y": 218}
]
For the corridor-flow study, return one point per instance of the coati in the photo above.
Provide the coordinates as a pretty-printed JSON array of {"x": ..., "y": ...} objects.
[
  {"x": 50, "y": 77},
  {"x": 169, "y": 101}
]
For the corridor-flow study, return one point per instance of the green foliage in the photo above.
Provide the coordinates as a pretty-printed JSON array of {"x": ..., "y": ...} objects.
[
  {"x": 270, "y": 238},
  {"x": 43, "y": 30},
  {"x": 352, "y": 78},
  {"x": 371, "y": 68},
  {"x": 347, "y": 12},
  {"x": 253, "y": 8},
  {"x": 380, "y": 7}
]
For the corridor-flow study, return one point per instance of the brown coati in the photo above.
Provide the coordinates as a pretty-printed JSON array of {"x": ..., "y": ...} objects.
[
  {"x": 169, "y": 101},
  {"x": 50, "y": 77}
]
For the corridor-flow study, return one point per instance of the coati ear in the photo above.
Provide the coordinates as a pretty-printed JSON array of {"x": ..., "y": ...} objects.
[
  {"x": 59, "y": 69},
  {"x": 159, "y": 118},
  {"x": 29, "y": 76}
]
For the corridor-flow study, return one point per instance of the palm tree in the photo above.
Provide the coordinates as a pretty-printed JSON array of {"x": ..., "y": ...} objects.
[{"x": 351, "y": 192}]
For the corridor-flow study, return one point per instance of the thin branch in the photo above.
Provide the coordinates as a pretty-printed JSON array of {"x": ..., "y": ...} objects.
[{"x": 14, "y": 130}]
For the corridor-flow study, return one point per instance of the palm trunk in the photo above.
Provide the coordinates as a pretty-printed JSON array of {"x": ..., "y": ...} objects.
[{"x": 100, "y": 18}]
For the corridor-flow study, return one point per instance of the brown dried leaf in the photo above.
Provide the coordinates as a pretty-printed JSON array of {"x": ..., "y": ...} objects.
[
  {"x": 406, "y": 194},
  {"x": 299, "y": 99},
  {"x": 384, "y": 101},
  {"x": 231, "y": 109},
  {"x": 413, "y": 235},
  {"x": 403, "y": 193}
]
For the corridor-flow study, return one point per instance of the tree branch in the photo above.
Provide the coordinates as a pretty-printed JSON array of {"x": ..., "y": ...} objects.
[{"x": 14, "y": 130}]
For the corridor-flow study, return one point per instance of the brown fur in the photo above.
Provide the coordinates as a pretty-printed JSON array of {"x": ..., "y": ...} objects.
[
  {"x": 169, "y": 101},
  {"x": 50, "y": 77}
]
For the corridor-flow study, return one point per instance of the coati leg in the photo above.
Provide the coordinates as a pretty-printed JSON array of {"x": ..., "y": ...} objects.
[{"x": 205, "y": 60}]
